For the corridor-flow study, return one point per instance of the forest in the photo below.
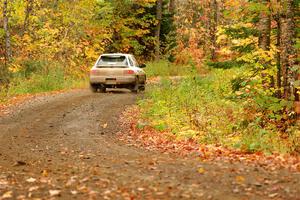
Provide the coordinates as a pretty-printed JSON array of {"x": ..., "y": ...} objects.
[{"x": 239, "y": 60}]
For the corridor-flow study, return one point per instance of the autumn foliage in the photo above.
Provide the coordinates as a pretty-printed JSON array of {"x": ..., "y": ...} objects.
[{"x": 247, "y": 48}]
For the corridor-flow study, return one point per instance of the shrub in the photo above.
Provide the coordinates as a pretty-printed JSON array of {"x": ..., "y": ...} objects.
[
  {"x": 38, "y": 76},
  {"x": 165, "y": 68},
  {"x": 208, "y": 110}
]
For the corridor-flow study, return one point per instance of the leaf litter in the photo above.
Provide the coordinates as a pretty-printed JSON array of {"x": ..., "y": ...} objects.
[{"x": 164, "y": 141}]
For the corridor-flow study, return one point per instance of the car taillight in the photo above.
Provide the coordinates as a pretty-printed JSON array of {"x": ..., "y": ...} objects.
[{"x": 128, "y": 72}]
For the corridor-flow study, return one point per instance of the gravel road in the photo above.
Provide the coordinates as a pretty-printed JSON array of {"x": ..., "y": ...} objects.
[{"x": 64, "y": 146}]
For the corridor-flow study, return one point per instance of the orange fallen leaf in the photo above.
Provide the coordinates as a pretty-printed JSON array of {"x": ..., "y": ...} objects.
[
  {"x": 45, "y": 173},
  {"x": 7, "y": 195},
  {"x": 105, "y": 125},
  {"x": 240, "y": 179},
  {"x": 201, "y": 170}
]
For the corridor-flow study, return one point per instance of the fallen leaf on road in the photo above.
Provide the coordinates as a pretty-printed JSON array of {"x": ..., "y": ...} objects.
[
  {"x": 106, "y": 192},
  {"x": 84, "y": 180},
  {"x": 31, "y": 180},
  {"x": 45, "y": 180},
  {"x": 3, "y": 183},
  {"x": 273, "y": 195},
  {"x": 201, "y": 170},
  {"x": 235, "y": 190},
  {"x": 7, "y": 195},
  {"x": 74, "y": 192},
  {"x": 159, "y": 193},
  {"x": 54, "y": 192},
  {"x": 240, "y": 179},
  {"x": 45, "y": 173},
  {"x": 83, "y": 189},
  {"x": 104, "y": 125},
  {"x": 19, "y": 163},
  {"x": 71, "y": 181},
  {"x": 31, "y": 189}
]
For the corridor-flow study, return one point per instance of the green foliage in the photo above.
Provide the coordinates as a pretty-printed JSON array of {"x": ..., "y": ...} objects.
[
  {"x": 164, "y": 68},
  {"x": 191, "y": 107},
  {"x": 31, "y": 66},
  {"x": 131, "y": 24},
  {"x": 225, "y": 64},
  {"x": 237, "y": 32},
  {"x": 40, "y": 78},
  {"x": 208, "y": 110}
]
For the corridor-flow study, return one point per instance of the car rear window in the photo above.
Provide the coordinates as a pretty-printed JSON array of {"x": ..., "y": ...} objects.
[{"x": 112, "y": 61}]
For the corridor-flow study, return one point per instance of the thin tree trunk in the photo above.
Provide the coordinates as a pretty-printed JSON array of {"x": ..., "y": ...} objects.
[
  {"x": 213, "y": 28},
  {"x": 279, "y": 73},
  {"x": 287, "y": 52},
  {"x": 207, "y": 25},
  {"x": 158, "y": 27},
  {"x": 264, "y": 27},
  {"x": 8, "y": 52},
  {"x": 172, "y": 6},
  {"x": 28, "y": 11},
  {"x": 264, "y": 40}
]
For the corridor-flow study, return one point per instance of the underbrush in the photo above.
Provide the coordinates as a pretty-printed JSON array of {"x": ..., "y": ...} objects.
[
  {"x": 164, "y": 68},
  {"x": 39, "y": 76},
  {"x": 206, "y": 109}
]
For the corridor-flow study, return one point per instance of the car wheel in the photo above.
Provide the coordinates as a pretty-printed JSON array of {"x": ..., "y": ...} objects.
[
  {"x": 142, "y": 87},
  {"x": 93, "y": 88},
  {"x": 135, "y": 88},
  {"x": 102, "y": 89}
]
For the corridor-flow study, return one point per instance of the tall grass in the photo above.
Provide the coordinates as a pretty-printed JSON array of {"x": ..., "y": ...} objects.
[
  {"x": 164, "y": 68},
  {"x": 38, "y": 77}
]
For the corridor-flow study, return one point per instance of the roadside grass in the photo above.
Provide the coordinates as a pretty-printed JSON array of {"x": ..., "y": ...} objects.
[
  {"x": 38, "y": 78},
  {"x": 203, "y": 108},
  {"x": 163, "y": 68}
]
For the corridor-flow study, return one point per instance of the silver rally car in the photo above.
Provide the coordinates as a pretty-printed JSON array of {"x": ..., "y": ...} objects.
[{"x": 117, "y": 70}]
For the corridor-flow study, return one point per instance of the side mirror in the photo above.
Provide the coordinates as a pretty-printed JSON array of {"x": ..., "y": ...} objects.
[{"x": 142, "y": 65}]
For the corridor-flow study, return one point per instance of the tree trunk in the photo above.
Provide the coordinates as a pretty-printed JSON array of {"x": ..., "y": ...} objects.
[
  {"x": 213, "y": 28},
  {"x": 264, "y": 40},
  {"x": 279, "y": 73},
  {"x": 158, "y": 27},
  {"x": 28, "y": 11},
  {"x": 264, "y": 27},
  {"x": 172, "y": 6},
  {"x": 8, "y": 52},
  {"x": 287, "y": 51}
]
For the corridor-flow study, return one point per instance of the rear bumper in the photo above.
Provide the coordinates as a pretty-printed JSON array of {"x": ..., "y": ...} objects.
[{"x": 113, "y": 80}]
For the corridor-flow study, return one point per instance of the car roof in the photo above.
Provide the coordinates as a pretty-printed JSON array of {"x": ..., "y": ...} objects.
[{"x": 115, "y": 54}]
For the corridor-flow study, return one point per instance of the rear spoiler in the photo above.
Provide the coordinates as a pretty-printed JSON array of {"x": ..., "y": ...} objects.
[{"x": 111, "y": 66}]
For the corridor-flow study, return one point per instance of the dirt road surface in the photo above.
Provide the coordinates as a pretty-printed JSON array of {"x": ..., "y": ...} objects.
[{"x": 64, "y": 146}]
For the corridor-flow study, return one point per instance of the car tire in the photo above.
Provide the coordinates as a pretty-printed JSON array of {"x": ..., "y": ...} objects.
[
  {"x": 142, "y": 87},
  {"x": 135, "y": 88},
  {"x": 102, "y": 89},
  {"x": 93, "y": 88}
]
